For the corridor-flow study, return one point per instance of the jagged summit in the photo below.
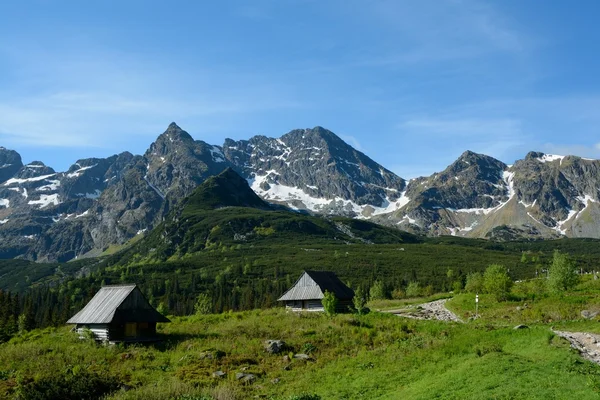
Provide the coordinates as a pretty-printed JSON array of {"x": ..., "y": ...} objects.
[{"x": 174, "y": 133}]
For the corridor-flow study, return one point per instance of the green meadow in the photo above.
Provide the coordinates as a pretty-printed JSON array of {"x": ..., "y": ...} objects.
[{"x": 350, "y": 356}]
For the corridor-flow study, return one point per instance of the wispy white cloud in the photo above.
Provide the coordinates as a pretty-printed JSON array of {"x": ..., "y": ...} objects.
[
  {"x": 353, "y": 141},
  {"x": 435, "y": 30},
  {"x": 494, "y": 137},
  {"x": 86, "y": 103}
]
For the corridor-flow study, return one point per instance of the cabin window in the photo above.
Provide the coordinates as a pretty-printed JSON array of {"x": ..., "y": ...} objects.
[
  {"x": 143, "y": 325},
  {"x": 130, "y": 329}
]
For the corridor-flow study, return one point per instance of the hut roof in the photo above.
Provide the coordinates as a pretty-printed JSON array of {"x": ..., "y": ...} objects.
[
  {"x": 313, "y": 285},
  {"x": 104, "y": 308}
]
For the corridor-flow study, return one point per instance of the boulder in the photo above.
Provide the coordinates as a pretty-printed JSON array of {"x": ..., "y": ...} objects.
[
  {"x": 521, "y": 327},
  {"x": 219, "y": 374},
  {"x": 588, "y": 314},
  {"x": 274, "y": 346},
  {"x": 246, "y": 378},
  {"x": 302, "y": 356}
]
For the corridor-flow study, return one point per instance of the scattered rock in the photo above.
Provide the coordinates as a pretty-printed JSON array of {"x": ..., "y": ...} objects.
[
  {"x": 246, "y": 378},
  {"x": 588, "y": 314},
  {"x": 521, "y": 327},
  {"x": 302, "y": 356},
  {"x": 126, "y": 388},
  {"x": 432, "y": 310},
  {"x": 219, "y": 374},
  {"x": 585, "y": 343},
  {"x": 212, "y": 355},
  {"x": 287, "y": 367},
  {"x": 275, "y": 381},
  {"x": 286, "y": 359},
  {"x": 274, "y": 346}
]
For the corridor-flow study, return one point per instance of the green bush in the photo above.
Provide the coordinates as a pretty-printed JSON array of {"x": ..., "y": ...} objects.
[
  {"x": 203, "y": 304},
  {"x": 497, "y": 282},
  {"x": 474, "y": 283},
  {"x": 562, "y": 274},
  {"x": 304, "y": 397},
  {"x": 73, "y": 384},
  {"x": 359, "y": 300},
  {"x": 413, "y": 289},
  {"x": 377, "y": 291},
  {"x": 329, "y": 303}
]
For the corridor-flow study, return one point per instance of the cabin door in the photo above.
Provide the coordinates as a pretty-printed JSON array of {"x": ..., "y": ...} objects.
[{"x": 131, "y": 329}]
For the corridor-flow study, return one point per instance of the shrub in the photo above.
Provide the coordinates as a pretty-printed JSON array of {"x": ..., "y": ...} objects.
[
  {"x": 497, "y": 282},
  {"x": 304, "y": 397},
  {"x": 329, "y": 303},
  {"x": 203, "y": 304},
  {"x": 359, "y": 301},
  {"x": 474, "y": 283},
  {"x": 413, "y": 289},
  {"x": 73, "y": 384},
  {"x": 562, "y": 274},
  {"x": 377, "y": 291},
  {"x": 457, "y": 286}
]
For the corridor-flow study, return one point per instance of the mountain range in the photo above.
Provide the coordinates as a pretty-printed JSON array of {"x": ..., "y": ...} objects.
[{"x": 102, "y": 202}]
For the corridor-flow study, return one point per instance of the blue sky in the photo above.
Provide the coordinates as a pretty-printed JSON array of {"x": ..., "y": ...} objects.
[{"x": 410, "y": 83}]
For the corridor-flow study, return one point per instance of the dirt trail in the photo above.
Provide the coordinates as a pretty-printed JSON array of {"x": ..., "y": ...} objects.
[
  {"x": 432, "y": 310},
  {"x": 587, "y": 344}
]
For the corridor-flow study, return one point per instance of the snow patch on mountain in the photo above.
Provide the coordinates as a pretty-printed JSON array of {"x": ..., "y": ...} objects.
[
  {"x": 80, "y": 171},
  {"x": 282, "y": 193},
  {"x": 154, "y": 187},
  {"x": 5, "y": 203},
  {"x": 19, "y": 181},
  {"x": 217, "y": 154},
  {"x": 391, "y": 206},
  {"x": 51, "y": 186},
  {"x": 83, "y": 214},
  {"x": 92, "y": 196},
  {"x": 46, "y": 200},
  {"x": 550, "y": 158}
]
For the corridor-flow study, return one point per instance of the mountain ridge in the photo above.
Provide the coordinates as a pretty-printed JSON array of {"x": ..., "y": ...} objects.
[{"x": 98, "y": 202}]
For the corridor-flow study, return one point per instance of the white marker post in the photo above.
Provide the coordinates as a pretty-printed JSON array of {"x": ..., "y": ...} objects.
[{"x": 477, "y": 305}]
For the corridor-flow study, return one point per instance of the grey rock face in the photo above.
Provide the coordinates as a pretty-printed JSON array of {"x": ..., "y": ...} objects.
[
  {"x": 10, "y": 163},
  {"x": 313, "y": 164}
]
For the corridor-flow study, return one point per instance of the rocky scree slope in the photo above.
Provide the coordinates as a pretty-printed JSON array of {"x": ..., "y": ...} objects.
[{"x": 57, "y": 216}]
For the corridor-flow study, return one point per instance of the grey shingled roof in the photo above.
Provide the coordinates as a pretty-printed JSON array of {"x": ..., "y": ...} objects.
[
  {"x": 324, "y": 280},
  {"x": 103, "y": 307}
]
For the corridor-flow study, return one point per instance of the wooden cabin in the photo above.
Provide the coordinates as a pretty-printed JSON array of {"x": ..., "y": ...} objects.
[
  {"x": 308, "y": 291},
  {"x": 119, "y": 314}
]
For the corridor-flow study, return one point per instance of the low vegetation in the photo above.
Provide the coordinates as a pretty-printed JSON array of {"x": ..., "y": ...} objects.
[{"x": 344, "y": 356}]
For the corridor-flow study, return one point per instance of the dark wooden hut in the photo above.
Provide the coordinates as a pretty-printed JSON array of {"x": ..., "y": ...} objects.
[
  {"x": 119, "y": 314},
  {"x": 308, "y": 291}
]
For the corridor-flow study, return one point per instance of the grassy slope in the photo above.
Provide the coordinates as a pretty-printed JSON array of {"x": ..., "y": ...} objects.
[{"x": 377, "y": 356}]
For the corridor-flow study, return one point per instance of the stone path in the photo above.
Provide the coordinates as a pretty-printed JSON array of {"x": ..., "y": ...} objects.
[
  {"x": 587, "y": 344},
  {"x": 432, "y": 310}
]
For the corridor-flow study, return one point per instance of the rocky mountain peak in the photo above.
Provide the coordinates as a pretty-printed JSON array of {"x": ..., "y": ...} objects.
[
  {"x": 170, "y": 139},
  {"x": 10, "y": 163},
  {"x": 33, "y": 170},
  {"x": 479, "y": 166}
]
